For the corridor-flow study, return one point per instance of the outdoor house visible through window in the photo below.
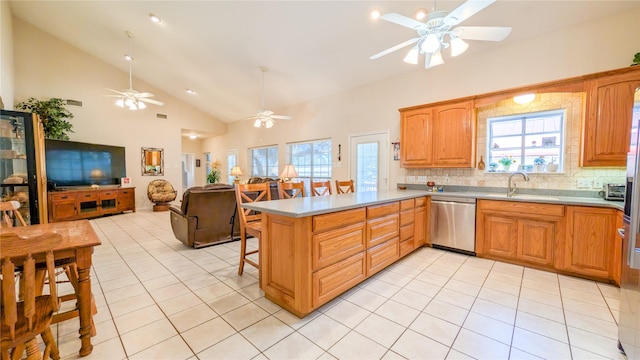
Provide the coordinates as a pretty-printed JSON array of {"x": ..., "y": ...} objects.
[
  {"x": 526, "y": 142},
  {"x": 312, "y": 161},
  {"x": 264, "y": 162}
]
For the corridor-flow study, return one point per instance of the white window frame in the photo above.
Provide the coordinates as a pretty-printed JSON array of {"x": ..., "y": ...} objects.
[
  {"x": 310, "y": 178},
  {"x": 232, "y": 160},
  {"x": 523, "y": 146},
  {"x": 269, "y": 169}
]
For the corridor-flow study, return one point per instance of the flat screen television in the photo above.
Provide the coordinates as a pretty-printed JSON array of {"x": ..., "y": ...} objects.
[{"x": 71, "y": 163}]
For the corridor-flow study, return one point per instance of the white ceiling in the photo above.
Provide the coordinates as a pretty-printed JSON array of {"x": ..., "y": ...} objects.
[{"x": 312, "y": 48}]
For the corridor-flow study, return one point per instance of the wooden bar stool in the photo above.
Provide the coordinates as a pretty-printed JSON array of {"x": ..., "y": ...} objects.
[
  {"x": 288, "y": 190},
  {"x": 344, "y": 187},
  {"x": 250, "y": 222},
  {"x": 9, "y": 213},
  {"x": 321, "y": 188}
]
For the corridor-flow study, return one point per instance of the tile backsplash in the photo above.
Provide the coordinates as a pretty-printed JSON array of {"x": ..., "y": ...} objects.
[{"x": 569, "y": 179}]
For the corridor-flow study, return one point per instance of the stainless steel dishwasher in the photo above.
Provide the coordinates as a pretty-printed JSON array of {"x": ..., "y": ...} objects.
[{"x": 453, "y": 224}]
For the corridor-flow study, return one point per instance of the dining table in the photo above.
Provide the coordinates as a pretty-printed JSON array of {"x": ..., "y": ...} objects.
[{"x": 78, "y": 240}]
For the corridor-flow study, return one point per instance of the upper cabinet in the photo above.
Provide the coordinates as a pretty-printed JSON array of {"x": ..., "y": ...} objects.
[
  {"x": 607, "y": 121},
  {"x": 438, "y": 136}
]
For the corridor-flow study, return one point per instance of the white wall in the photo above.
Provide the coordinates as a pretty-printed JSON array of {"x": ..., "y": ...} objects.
[
  {"x": 6, "y": 56},
  {"x": 194, "y": 147},
  {"x": 605, "y": 44},
  {"x": 47, "y": 67}
]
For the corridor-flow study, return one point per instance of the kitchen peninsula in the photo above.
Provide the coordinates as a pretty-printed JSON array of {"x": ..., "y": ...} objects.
[{"x": 312, "y": 249}]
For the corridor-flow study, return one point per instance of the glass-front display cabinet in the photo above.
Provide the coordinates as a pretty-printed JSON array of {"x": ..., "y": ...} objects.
[{"x": 22, "y": 177}]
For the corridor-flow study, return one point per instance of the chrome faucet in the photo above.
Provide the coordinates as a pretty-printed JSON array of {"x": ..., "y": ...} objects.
[{"x": 512, "y": 188}]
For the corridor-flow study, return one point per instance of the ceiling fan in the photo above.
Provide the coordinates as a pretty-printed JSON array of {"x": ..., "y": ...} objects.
[
  {"x": 130, "y": 98},
  {"x": 433, "y": 33},
  {"x": 265, "y": 117}
]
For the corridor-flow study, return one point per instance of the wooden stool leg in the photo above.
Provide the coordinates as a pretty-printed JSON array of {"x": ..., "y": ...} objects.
[
  {"x": 33, "y": 351},
  {"x": 243, "y": 250},
  {"x": 51, "y": 351},
  {"x": 17, "y": 352}
]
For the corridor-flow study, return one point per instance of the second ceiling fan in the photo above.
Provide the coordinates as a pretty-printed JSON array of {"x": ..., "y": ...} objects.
[
  {"x": 265, "y": 117},
  {"x": 439, "y": 25}
]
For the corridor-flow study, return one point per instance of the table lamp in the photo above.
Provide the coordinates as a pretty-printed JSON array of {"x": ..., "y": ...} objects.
[
  {"x": 235, "y": 171},
  {"x": 288, "y": 172}
]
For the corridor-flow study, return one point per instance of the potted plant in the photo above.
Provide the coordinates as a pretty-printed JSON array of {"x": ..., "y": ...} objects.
[
  {"x": 214, "y": 175},
  {"x": 53, "y": 115},
  {"x": 552, "y": 166},
  {"x": 636, "y": 59},
  {"x": 539, "y": 163},
  {"x": 493, "y": 166},
  {"x": 506, "y": 162}
]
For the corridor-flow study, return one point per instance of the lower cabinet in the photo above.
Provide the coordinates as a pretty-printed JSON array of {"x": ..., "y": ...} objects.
[
  {"x": 84, "y": 204},
  {"x": 576, "y": 240}
]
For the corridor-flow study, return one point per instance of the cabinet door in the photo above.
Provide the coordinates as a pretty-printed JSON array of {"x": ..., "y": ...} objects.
[
  {"x": 536, "y": 240},
  {"x": 108, "y": 201},
  {"x": 126, "y": 199},
  {"x": 497, "y": 236},
  {"x": 62, "y": 207},
  {"x": 589, "y": 241},
  {"x": 607, "y": 124},
  {"x": 420, "y": 226},
  {"x": 88, "y": 203},
  {"x": 452, "y": 135},
  {"x": 415, "y": 147}
]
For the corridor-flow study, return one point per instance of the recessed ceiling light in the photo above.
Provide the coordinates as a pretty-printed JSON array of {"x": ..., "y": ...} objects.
[
  {"x": 375, "y": 13},
  {"x": 189, "y": 91},
  {"x": 155, "y": 18},
  {"x": 193, "y": 136}
]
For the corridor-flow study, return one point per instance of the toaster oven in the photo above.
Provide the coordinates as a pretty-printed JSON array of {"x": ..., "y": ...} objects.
[{"x": 614, "y": 192}]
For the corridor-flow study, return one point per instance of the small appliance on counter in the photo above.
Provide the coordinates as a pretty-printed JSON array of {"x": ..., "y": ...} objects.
[{"x": 614, "y": 192}]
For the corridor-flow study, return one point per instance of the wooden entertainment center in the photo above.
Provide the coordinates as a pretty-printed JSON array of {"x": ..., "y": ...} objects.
[{"x": 88, "y": 203}]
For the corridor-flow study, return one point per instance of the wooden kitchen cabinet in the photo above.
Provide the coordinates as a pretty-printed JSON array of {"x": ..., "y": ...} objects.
[
  {"x": 421, "y": 224},
  {"x": 526, "y": 233},
  {"x": 85, "y": 204},
  {"x": 590, "y": 241},
  {"x": 607, "y": 122},
  {"x": 438, "y": 136}
]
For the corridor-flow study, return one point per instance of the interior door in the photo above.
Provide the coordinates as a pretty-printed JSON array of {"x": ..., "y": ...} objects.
[
  {"x": 369, "y": 161},
  {"x": 188, "y": 170}
]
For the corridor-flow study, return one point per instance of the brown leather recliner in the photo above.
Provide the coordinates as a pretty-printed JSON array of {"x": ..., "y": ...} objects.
[{"x": 205, "y": 215}]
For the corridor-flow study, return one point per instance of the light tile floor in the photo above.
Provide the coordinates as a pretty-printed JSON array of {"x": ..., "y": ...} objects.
[{"x": 158, "y": 299}]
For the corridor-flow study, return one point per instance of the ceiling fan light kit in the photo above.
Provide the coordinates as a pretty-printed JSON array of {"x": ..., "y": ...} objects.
[
  {"x": 265, "y": 117},
  {"x": 438, "y": 28},
  {"x": 130, "y": 98}
]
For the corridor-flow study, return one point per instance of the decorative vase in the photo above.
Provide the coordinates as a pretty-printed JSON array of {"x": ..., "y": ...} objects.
[
  {"x": 538, "y": 168},
  {"x": 552, "y": 167},
  {"x": 481, "y": 164}
]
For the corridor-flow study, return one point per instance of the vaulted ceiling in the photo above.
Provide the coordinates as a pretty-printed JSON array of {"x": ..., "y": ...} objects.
[{"x": 312, "y": 48}]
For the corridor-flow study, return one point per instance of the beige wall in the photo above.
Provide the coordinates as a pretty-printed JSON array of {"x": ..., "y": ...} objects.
[
  {"x": 47, "y": 67},
  {"x": 6, "y": 56},
  {"x": 194, "y": 147},
  {"x": 573, "y": 52}
]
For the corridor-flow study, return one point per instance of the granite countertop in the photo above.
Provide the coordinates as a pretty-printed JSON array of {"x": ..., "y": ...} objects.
[{"x": 315, "y": 205}]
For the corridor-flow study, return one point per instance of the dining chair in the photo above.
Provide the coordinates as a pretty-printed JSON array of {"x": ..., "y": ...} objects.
[
  {"x": 321, "y": 188},
  {"x": 25, "y": 314},
  {"x": 289, "y": 190},
  {"x": 9, "y": 214},
  {"x": 250, "y": 221},
  {"x": 344, "y": 187}
]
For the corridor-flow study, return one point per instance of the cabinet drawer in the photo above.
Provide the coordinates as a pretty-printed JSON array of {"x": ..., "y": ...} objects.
[
  {"x": 381, "y": 230},
  {"x": 406, "y": 204},
  {"x": 63, "y": 197},
  {"x": 109, "y": 194},
  {"x": 406, "y": 232},
  {"x": 382, "y": 210},
  {"x": 337, "y": 278},
  {"x": 87, "y": 196},
  {"x": 338, "y": 219},
  {"x": 406, "y": 247},
  {"x": 382, "y": 256},
  {"x": 535, "y": 209},
  {"x": 334, "y": 245},
  {"x": 421, "y": 201},
  {"x": 406, "y": 217}
]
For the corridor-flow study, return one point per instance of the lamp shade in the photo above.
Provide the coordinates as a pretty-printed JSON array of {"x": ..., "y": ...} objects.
[
  {"x": 289, "y": 171},
  {"x": 235, "y": 171}
]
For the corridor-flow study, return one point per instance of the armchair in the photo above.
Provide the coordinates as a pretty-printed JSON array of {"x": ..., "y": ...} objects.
[{"x": 205, "y": 216}]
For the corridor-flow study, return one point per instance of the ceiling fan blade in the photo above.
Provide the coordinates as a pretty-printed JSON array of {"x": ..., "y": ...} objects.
[
  {"x": 486, "y": 33},
  {"x": 145, "y": 94},
  {"x": 403, "y": 21},
  {"x": 394, "y": 48},
  {"x": 116, "y": 91},
  {"x": 150, "y": 101},
  {"x": 465, "y": 11},
  {"x": 281, "y": 117}
]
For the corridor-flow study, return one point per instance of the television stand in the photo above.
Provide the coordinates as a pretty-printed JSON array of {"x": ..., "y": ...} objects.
[{"x": 85, "y": 203}]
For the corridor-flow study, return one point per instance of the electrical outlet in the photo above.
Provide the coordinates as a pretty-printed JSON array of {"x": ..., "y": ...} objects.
[
  {"x": 422, "y": 179},
  {"x": 597, "y": 184},
  {"x": 584, "y": 183}
]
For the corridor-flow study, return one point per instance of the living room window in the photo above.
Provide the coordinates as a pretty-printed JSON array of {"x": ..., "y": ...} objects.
[
  {"x": 264, "y": 161},
  {"x": 531, "y": 142},
  {"x": 312, "y": 160},
  {"x": 232, "y": 160}
]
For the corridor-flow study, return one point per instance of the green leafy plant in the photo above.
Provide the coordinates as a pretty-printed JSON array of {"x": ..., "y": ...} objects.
[
  {"x": 636, "y": 59},
  {"x": 215, "y": 173},
  {"x": 53, "y": 115},
  {"x": 507, "y": 161}
]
